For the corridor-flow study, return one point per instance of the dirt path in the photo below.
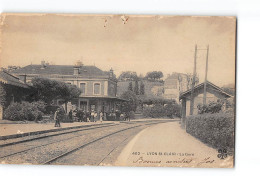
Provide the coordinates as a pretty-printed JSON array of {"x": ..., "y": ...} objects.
[{"x": 170, "y": 146}]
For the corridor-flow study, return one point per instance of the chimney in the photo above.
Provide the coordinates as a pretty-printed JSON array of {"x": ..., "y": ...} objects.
[
  {"x": 77, "y": 67},
  {"x": 111, "y": 73},
  {"x": 76, "y": 70}
]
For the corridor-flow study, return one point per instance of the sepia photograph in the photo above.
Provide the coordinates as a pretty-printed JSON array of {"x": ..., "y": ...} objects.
[{"x": 117, "y": 90}]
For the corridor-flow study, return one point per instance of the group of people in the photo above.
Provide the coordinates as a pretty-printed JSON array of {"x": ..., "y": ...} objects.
[
  {"x": 117, "y": 116},
  {"x": 85, "y": 116},
  {"x": 93, "y": 116}
]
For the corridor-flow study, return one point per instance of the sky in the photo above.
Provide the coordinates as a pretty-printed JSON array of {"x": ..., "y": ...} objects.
[{"x": 123, "y": 42}]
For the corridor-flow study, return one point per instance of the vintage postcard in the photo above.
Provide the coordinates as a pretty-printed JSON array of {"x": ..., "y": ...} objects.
[{"x": 117, "y": 90}]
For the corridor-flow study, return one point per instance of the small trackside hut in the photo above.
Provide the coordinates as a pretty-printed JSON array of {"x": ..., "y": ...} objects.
[{"x": 213, "y": 93}]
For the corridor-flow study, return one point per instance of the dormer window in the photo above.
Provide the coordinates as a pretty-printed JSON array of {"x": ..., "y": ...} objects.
[{"x": 76, "y": 71}]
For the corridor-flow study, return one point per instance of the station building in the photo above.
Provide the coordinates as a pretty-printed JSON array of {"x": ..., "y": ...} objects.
[{"x": 99, "y": 88}]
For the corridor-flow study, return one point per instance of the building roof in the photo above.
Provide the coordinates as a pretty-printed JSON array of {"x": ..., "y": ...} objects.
[
  {"x": 7, "y": 78},
  {"x": 174, "y": 75},
  {"x": 201, "y": 85},
  {"x": 90, "y": 71}
]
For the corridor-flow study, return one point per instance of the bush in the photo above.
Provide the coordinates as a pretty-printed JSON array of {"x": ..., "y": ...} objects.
[
  {"x": 131, "y": 103},
  {"x": 2, "y": 95},
  {"x": 146, "y": 111},
  {"x": 156, "y": 111},
  {"x": 172, "y": 110},
  {"x": 216, "y": 129},
  {"x": 159, "y": 110},
  {"x": 25, "y": 111},
  {"x": 212, "y": 107},
  {"x": 132, "y": 114}
]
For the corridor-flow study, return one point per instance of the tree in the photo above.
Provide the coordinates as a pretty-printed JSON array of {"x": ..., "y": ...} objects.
[
  {"x": 159, "y": 75},
  {"x": 128, "y": 76},
  {"x": 142, "y": 91},
  {"x": 154, "y": 75},
  {"x": 141, "y": 77},
  {"x": 49, "y": 90},
  {"x": 46, "y": 89},
  {"x": 130, "y": 86},
  {"x": 2, "y": 95},
  {"x": 136, "y": 88},
  {"x": 172, "y": 109},
  {"x": 131, "y": 103},
  {"x": 68, "y": 92},
  {"x": 189, "y": 78},
  {"x": 149, "y": 75}
]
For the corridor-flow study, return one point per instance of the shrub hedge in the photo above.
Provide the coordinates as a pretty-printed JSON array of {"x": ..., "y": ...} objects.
[
  {"x": 217, "y": 129},
  {"x": 25, "y": 111},
  {"x": 158, "y": 110}
]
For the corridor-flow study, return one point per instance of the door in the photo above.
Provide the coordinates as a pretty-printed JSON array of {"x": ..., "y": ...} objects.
[{"x": 83, "y": 105}]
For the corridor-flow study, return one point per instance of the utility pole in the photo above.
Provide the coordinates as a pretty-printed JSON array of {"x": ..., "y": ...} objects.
[
  {"x": 206, "y": 74},
  {"x": 193, "y": 82}
]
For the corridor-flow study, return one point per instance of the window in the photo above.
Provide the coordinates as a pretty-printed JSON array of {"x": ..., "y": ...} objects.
[
  {"x": 97, "y": 88},
  {"x": 82, "y": 88}
]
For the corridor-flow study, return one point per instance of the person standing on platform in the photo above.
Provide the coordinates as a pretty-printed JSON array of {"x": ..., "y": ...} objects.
[
  {"x": 57, "y": 118},
  {"x": 88, "y": 116},
  {"x": 114, "y": 116},
  {"x": 101, "y": 116},
  {"x": 122, "y": 116},
  {"x": 70, "y": 116},
  {"x": 92, "y": 116},
  {"x": 95, "y": 116},
  {"x": 127, "y": 116},
  {"x": 117, "y": 115},
  {"x": 84, "y": 119},
  {"x": 104, "y": 115}
]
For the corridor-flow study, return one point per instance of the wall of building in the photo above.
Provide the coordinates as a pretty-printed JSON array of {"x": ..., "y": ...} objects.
[
  {"x": 171, "y": 89},
  {"x": 108, "y": 87},
  {"x": 111, "y": 88},
  {"x": 175, "y": 84}
]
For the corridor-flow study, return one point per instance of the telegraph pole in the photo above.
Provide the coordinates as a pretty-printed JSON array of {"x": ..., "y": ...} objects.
[
  {"x": 206, "y": 74},
  {"x": 193, "y": 82}
]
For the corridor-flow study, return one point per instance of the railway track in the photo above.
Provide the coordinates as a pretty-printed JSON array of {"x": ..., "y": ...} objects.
[
  {"x": 52, "y": 160},
  {"x": 37, "y": 138},
  {"x": 41, "y": 136},
  {"x": 80, "y": 136}
]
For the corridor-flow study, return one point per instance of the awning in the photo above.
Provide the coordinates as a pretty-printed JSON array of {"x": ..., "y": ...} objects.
[{"x": 7, "y": 78}]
